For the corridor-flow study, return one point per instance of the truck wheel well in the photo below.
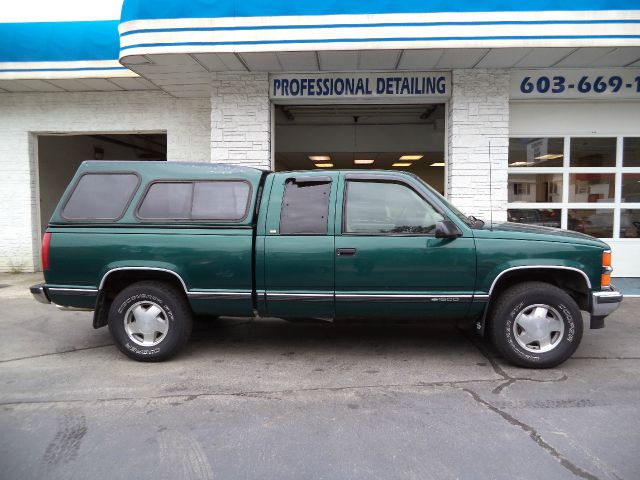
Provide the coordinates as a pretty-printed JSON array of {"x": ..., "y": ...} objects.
[
  {"x": 572, "y": 282},
  {"x": 116, "y": 281}
]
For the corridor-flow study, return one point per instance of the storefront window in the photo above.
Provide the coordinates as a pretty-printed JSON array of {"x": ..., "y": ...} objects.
[
  {"x": 631, "y": 155},
  {"x": 630, "y": 223},
  {"x": 594, "y": 185},
  {"x": 591, "y": 187},
  {"x": 631, "y": 187},
  {"x": 594, "y": 222},
  {"x": 593, "y": 152},
  {"x": 537, "y": 188},
  {"x": 536, "y": 152}
]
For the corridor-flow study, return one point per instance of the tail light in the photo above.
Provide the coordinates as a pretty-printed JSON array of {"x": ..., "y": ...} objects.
[
  {"x": 605, "y": 278},
  {"x": 46, "y": 240}
]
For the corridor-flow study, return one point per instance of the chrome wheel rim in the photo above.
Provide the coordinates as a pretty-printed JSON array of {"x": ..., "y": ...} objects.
[
  {"x": 538, "y": 328},
  {"x": 146, "y": 323}
]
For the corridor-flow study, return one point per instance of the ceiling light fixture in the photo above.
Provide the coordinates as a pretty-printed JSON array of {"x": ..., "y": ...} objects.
[
  {"x": 549, "y": 156},
  {"x": 324, "y": 165},
  {"x": 402, "y": 164},
  {"x": 411, "y": 157},
  {"x": 363, "y": 162},
  {"x": 437, "y": 164},
  {"x": 319, "y": 158}
]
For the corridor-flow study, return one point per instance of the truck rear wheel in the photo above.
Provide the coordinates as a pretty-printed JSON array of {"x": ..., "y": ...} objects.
[
  {"x": 150, "y": 321},
  {"x": 536, "y": 325}
]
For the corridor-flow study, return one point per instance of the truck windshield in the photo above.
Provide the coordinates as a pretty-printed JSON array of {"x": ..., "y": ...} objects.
[{"x": 468, "y": 221}]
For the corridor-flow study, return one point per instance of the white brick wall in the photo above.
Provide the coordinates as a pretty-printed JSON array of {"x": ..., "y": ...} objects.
[
  {"x": 22, "y": 115},
  {"x": 241, "y": 119},
  {"x": 478, "y": 113}
]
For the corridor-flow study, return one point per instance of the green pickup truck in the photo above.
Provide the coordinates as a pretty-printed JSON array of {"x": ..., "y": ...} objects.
[{"x": 149, "y": 245}]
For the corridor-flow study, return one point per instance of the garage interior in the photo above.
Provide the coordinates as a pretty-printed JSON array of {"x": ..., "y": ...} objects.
[
  {"x": 402, "y": 137},
  {"x": 60, "y": 155}
]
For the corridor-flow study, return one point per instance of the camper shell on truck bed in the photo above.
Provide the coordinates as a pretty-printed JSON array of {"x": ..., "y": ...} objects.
[{"x": 148, "y": 245}]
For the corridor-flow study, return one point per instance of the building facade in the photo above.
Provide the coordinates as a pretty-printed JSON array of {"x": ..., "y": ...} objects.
[{"x": 513, "y": 111}]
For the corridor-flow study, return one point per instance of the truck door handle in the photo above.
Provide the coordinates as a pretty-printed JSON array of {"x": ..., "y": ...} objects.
[{"x": 346, "y": 252}]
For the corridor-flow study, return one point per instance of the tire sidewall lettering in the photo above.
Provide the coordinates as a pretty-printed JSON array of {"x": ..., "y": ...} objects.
[
  {"x": 567, "y": 318},
  {"x": 139, "y": 297}
]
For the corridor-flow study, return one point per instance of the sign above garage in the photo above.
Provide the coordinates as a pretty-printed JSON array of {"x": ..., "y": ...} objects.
[
  {"x": 592, "y": 83},
  {"x": 375, "y": 86}
]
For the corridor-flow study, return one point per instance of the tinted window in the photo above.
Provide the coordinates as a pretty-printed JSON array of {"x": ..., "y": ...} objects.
[
  {"x": 220, "y": 200},
  {"x": 100, "y": 196},
  {"x": 376, "y": 207},
  {"x": 167, "y": 200},
  {"x": 305, "y": 208}
]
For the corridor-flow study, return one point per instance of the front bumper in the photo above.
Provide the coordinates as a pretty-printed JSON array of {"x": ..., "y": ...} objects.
[
  {"x": 605, "y": 302},
  {"x": 40, "y": 293}
]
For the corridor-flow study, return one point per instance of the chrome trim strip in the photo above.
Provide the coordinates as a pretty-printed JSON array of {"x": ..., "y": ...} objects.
[
  {"x": 417, "y": 296},
  {"x": 556, "y": 267},
  {"x": 154, "y": 269},
  {"x": 310, "y": 297},
  {"x": 85, "y": 292},
  {"x": 481, "y": 298},
  {"x": 218, "y": 295}
]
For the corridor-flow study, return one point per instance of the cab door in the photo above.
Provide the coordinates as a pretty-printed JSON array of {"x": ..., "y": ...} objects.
[
  {"x": 388, "y": 261},
  {"x": 299, "y": 258}
]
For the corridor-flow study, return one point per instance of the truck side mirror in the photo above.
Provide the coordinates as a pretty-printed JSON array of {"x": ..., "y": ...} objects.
[{"x": 447, "y": 229}]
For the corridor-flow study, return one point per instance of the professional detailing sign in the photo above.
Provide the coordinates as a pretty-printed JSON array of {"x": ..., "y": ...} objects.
[
  {"x": 592, "y": 83},
  {"x": 434, "y": 85}
]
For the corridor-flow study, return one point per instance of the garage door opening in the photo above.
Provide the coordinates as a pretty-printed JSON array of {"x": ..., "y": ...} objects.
[
  {"x": 59, "y": 156},
  {"x": 395, "y": 137}
]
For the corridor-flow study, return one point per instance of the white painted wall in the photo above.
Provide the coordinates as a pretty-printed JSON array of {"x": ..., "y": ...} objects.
[
  {"x": 478, "y": 113},
  {"x": 574, "y": 118},
  {"x": 186, "y": 122},
  {"x": 241, "y": 119}
]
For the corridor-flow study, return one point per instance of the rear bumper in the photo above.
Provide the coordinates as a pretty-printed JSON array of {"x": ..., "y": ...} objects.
[
  {"x": 40, "y": 293},
  {"x": 605, "y": 302}
]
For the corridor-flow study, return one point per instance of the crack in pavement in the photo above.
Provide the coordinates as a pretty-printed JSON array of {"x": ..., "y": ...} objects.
[
  {"x": 56, "y": 353},
  {"x": 534, "y": 435},
  {"x": 248, "y": 394},
  {"x": 508, "y": 379}
]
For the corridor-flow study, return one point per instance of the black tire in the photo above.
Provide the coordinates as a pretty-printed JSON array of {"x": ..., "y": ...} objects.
[
  {"x": 174, "y": 311},
  {"x": 520, "y": 298}
]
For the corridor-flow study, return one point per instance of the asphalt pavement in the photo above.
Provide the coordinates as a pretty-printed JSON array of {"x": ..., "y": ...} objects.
[{"x": 263, "y": 399}]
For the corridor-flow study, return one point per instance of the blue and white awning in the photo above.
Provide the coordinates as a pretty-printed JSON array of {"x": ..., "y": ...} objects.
[
  {"x": 62, "y": 39},
  {"x": 199, "y": 26}
]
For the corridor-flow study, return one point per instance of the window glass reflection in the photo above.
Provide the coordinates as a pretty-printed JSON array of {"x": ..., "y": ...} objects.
[
  {"x": 631, "y": 152},
  {"x": 535, "y": 152},
  {"x": 591, "y": 187},
  {"x": 630, "y": 223},
  {"x": 631, "y": 187},
  {"x": 544, "y": 217},
  {"x": 537, "y": 188},
  {"x": 594, "y": 222},
  {"x": 593, "y": 152}
]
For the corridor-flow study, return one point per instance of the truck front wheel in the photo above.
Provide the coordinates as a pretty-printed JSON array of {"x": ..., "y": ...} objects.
[
  {"x": 150, "y": 321},
  {"x": 536, "y": 325}
]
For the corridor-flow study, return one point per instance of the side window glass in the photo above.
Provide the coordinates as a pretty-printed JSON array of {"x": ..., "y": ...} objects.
[
  {"x": 167, "y": 200},
  {"x": 100, "y": 196},
  {"x": 384, "y": 207},
  {"x": 220, "y": 200},
  {"x": 305, "y": 208}
]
